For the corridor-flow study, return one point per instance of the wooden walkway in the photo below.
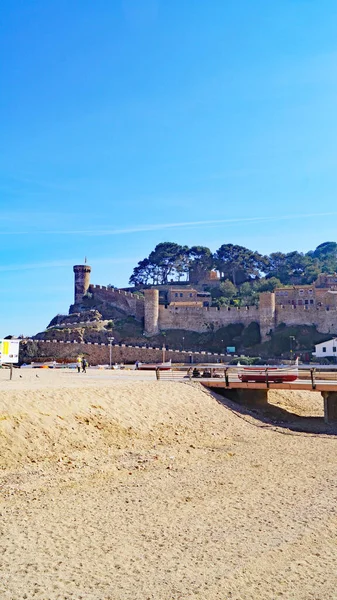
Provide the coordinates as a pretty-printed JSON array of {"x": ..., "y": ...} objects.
[
  {"x": 216, "y": 377},
  {"x": 318, "y": 386}
]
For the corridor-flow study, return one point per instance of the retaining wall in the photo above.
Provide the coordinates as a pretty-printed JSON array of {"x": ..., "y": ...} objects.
[{"x": 100, "y": 353}]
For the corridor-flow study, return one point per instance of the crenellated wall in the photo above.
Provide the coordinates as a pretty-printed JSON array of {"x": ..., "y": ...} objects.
[
  {"x": 325, "y": 320},
  {"x": 97, "y": 354},
  {"x": 200, "y": 319},
  {"x": 131, "y": 304}
]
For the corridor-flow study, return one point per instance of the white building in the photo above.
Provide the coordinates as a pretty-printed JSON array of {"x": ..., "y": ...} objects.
[{"x": 325, "y": 349}]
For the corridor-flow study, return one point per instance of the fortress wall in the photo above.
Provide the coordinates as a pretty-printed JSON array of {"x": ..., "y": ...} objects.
[
  {"x": 131, "y": 304},
  {"x": 198, "y": 319},
  {"x": 98, "y": 354},
  {"x": 325, "y": 320}
]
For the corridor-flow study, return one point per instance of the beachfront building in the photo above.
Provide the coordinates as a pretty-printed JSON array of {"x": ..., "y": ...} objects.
[{"x": 326, "y": 349}]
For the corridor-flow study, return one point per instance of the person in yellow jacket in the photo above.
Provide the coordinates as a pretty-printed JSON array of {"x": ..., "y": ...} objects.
[{"x": 79, "y": 363}]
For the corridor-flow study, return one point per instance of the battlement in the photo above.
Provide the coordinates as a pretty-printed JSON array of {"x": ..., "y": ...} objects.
[
  {"x": 114, "y": 291},
  {"x": 202, "y": 318},
  {"x": 305, "y": 307},
  {"x": 211, "y": 309}
]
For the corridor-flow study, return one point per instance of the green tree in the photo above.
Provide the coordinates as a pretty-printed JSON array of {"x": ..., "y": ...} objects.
[
  {"x": 228, "y": 289},
  {"x": 267, "y": 285},
  {"x": 291, "y": 268},
  {"x": 170, "y": 259},
  {"x": 238, "y": 264},
  {"x": 200, "y": 260},
  {"x": 276, "y": 266},
  {"x": 326, "y": 254},
  {"x": 167, "y": 260},
  {"x": 144, "y": 273}
]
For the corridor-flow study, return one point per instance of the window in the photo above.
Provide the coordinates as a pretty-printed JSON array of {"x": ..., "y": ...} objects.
[
  {"x": 181, "y": 295},
  {"x": 286, "y": 293},
  {"x": 310, "y": 291},
  {"x": 333, "y": 348},
  {"x": 191, "y": 295},
  {"x": 300, "y": 302},
  {"x": 301, "y": 292},
  {"x": 324, "y": 349},
  {"x": 311, "y": 301},
  {"x": 306, "y": 301},
  {"x": 176, "y": 295}
]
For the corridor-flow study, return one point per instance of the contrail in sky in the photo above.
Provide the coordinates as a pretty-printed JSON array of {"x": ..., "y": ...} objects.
[
  {"x": 163, "y": 226},
  {"x": 65, "y": 263}
]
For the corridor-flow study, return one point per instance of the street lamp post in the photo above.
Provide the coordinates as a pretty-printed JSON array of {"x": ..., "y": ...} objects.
[
  {"x": 291, "y": 339},
  {"x": 183, "y": 343},
  {"x": 111, "y": 339}
]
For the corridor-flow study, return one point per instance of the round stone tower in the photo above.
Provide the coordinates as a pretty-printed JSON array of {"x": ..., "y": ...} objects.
[
  {"x": 151, "y": 312},
  {"x": 82, "y": 281}
]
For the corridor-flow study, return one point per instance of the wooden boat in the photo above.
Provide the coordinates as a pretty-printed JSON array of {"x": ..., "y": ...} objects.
[
  {"x": 163, "y": 366},
  {"x": 274, "y": 374}
]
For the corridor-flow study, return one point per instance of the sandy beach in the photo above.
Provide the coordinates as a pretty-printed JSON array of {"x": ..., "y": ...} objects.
[{"x": 117, "y": 487}]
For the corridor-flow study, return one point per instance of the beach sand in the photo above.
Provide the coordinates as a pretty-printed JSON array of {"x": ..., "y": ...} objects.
[{"x": 117, "y": 487}]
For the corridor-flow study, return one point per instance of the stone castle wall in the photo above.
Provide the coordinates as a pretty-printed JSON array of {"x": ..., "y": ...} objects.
[
  {"x": 325, "y": 320},
  {"x": 131, "y": 304},
  {"x": 268, "y": 317},
  {"x": 201, "y": 318},
  {"x": 98, "y": 354}
]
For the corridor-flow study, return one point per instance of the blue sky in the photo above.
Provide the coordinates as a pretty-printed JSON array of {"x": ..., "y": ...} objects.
[{"x": 129, "y": 122}]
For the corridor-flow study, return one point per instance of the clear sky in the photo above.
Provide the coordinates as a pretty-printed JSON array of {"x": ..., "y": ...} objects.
[{"x": 129, "y": 122}]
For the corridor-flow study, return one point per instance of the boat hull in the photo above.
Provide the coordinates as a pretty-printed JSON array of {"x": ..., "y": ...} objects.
[
  {"x": 274, "y": 375},
  {"x": 154, "y": 366}
]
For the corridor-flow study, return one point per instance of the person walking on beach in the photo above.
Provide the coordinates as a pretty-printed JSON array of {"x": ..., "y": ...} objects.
[
  {"x": 84, "y": 365},
  {"x": 78, "y": 364}
]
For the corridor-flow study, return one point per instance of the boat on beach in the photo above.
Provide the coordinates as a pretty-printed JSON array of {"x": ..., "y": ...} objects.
[
  {"x": 163, "y": 366},
  {"x": 262, "y": 374}
]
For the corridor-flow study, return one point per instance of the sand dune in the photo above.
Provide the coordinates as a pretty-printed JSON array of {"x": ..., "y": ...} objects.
[{"x": 117, "y": 487}]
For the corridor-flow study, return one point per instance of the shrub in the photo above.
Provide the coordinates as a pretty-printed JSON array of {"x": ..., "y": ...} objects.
[{"x": 251, "y": 335}]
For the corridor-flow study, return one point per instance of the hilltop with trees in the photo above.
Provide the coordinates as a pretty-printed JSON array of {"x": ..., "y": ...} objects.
[{"x": 244, "y": 273}]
